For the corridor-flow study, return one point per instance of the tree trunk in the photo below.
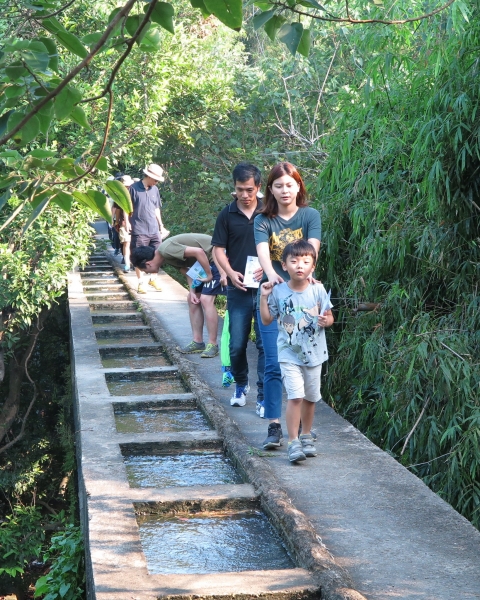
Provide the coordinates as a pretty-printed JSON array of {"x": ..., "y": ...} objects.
[
  {"x": 2, "y": 356},
  {"x": 18, "y": 366}
]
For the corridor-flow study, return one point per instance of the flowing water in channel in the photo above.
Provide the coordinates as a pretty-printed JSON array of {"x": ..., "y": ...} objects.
[
  {"x": 135, "y": 362},
  {"x": 156, "y": 420},
  {"x": 184, "y": 543},
  {"x": 139, "y": 387},
  {"x": 125, "y": 339},
  {"x": 242, "y": 541},
  {"x": 124, "y": 325},
  {"x": 205, "y": 467}
]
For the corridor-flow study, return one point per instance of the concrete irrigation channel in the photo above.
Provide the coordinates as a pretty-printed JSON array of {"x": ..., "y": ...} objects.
[
  {"x": 177, "y": 503},
  {"x": 167, "y": 504}
]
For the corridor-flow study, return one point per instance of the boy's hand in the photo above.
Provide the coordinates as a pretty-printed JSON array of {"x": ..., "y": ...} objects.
[
  {"x": 266, "y": 289},
  {"x": 326, "y": 320}
]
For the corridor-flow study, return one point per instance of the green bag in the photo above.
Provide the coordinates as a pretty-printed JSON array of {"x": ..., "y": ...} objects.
[{"x": 227, "y": 377}]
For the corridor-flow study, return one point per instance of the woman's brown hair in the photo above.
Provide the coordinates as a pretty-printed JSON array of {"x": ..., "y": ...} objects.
[{"x": 270, "y": 208}]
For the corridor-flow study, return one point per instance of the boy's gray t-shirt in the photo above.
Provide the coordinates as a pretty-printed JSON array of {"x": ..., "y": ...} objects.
[{"x": 300, "y": 339}]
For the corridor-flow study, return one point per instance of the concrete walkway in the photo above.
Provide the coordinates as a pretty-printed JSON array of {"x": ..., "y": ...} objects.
[{"x": 395, "y": 537}]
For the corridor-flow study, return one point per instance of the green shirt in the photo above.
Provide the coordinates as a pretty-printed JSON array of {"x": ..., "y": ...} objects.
[{"x": 173, "y": 249}]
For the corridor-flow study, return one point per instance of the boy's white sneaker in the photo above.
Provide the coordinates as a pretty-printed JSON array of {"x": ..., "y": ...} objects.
[
  {"x": 295, "y": 451},
  {"x": 308, "y": 446}
]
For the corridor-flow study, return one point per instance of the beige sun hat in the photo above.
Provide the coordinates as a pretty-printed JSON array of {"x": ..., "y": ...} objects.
[
  {"x": 155, "y": 172},
  {"x": 126, "y": 180}
]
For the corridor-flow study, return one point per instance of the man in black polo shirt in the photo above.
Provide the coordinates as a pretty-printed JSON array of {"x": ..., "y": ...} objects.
[
  {"x": 233, "y": 242},
  {"x": 146, "y": 219}
]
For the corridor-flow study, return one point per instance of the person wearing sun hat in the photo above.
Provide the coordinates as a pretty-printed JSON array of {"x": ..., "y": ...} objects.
[{"x": 146, "y": 218}]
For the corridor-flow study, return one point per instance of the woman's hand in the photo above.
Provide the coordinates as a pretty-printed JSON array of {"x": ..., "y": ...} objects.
[{"x": 275, "y": 278}]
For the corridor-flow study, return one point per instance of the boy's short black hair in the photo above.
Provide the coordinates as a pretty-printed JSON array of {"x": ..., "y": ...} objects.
[
  {"x": 141, "y": 255},
  {"x": 299, "y": 248},
  {"x": 245, "y": 171}
]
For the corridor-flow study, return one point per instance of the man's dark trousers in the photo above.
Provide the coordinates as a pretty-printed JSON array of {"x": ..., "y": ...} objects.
[{"x": 242, "y": 307}]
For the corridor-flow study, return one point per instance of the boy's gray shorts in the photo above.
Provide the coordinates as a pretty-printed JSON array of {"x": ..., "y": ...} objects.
[{"x": 301, "y": 381}]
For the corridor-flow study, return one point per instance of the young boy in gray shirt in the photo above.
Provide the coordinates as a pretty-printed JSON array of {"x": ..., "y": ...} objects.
[{"x": 303, "y": 311}]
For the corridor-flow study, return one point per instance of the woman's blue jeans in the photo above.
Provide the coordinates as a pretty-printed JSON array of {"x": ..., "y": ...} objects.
[
  {"x": 272, "y": 381},
  {"x": 242, "y": 307}
]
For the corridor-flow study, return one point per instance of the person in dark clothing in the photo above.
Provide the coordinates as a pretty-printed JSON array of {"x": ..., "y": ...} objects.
[
  {"x": 234, "y": 242},
  {"x": 145, "y": 222}
]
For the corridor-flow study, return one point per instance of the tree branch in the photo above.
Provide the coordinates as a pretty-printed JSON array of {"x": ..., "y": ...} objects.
[
  {"x": 10, "y": 409},
  {"x": 57, "y": 12},
  {"x": 415, "y": 425},
  {"x": 2, "y": 354},
  {"x": 73, "y": 73},
  {"x": 102, "y": 148},
  {"x": 108, "y": 90},
  {"x": 348, "y": 19},
  {"x": 121, "y": 60}
]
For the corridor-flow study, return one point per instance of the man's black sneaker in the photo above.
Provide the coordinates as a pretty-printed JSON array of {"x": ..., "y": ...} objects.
[{"x": 274, "y": 437}]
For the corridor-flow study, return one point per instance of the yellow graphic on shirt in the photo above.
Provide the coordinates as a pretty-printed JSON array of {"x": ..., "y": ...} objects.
[{"x": 278, "y": 242}]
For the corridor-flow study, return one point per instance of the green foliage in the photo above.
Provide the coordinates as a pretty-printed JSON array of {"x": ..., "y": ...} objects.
[
  {"x": 21, "y": 540},
  {"x": 39, "y": 471},
  {"x": 65, "y": 579},
  {"x": 401, "y": 229},
  {"x": 35, "y": 269},
  {"x": 33, "y": 469}
]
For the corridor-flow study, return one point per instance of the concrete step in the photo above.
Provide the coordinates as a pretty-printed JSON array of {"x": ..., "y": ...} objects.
[
  {"x": 102, "y": 305},
  {"x": 225, "y": 491},
  {"x": 146, "y": 371},
  {"x": 96, "y": 268},
  {"x": 107, "y": 296},
  {"x": 88, "y": 281},
  {"x": 118, "y": 349},
  {"x": 135, "y": 332},
  {"x": 118, "y": 329},
  {"x": 108, "y": 317},
  {"x": 103, "y": 286},
  {"x": 184, "y": 439},
  {"x": 166, "y": 399}
]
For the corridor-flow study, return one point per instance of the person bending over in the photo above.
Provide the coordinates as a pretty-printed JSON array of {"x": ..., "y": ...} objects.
[{"x": 182, "y": 251}]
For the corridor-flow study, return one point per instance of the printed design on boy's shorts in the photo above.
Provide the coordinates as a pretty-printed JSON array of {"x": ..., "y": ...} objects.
[
  {"x": 278, "y": 241},
  {"x": 301, "y": 327}
]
